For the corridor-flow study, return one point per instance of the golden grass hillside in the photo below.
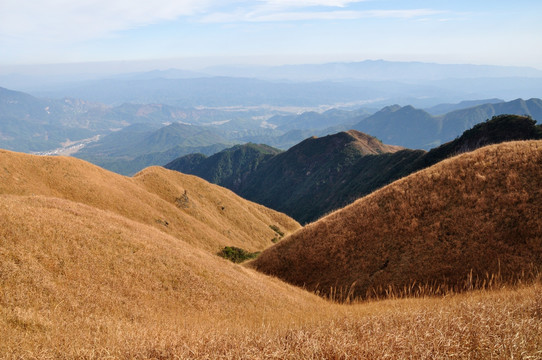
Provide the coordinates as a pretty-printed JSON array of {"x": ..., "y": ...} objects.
[
  {"x": 82, "y": 282},
  {"x": 189, "y": 208},
  {"x": 77, "y": 279},
  {"x": 460, "y": 224}
]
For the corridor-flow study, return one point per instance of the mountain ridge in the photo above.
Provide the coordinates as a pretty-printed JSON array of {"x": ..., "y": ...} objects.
[
  {"x": 323, "y": 174},
  {"x": 415, "y": 128},
  {"x": 315, "y": 163},
  {"x": 471, "y": 215}
]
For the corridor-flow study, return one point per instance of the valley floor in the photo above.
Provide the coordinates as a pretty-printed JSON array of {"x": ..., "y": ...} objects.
[{"x": 495, "y": 324}]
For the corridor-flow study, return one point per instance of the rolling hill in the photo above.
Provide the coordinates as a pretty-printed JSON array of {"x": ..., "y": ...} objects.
[
  {"x": 229, "y": 168},
  {"x": 451, "y": 226},
  {"x": 77, "y": 281},
  {"x": 202, "y": 214}
]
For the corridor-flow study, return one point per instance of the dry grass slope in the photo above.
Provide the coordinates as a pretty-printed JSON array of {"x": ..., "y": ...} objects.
[
  {"x": 77, "y": 279},
  {"x": 85, "y": 277},
  {"x": 462, "y": 223},
  {"x": 199, "y": 213}
]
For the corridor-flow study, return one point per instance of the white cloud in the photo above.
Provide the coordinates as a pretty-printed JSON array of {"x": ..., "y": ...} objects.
[
  {"x": 309, "y": 3},
  {"x": 86, "y": 19},
  {"x": 44, "y": 22},
  {"x": 259, "y": 16}
]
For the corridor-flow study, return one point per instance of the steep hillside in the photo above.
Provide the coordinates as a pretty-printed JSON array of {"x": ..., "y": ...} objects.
[
  {"x": 471, "y": 216},
  {"x": 186, "y": 207},
  {"x": 309, "y": 180},
  {"x": 83, "y": 276},
  {"x": 229, "y": 168},
  {"x": 300, "y": 180},
  {"x": 77, "y": 282}
]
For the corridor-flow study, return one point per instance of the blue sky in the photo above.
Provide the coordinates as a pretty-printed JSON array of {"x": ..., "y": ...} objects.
[{"x": 197, "y": 33}]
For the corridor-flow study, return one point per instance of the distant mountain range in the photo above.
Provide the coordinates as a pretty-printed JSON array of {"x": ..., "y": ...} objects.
[
  {"x": 216, "y": 92},
  {"x": 322, "y": 174},
  {"x": 316, "y": 120},
  {"x": 33, "y": 124},
  {"x": 225, "y": 92},
  {"x": 463, "y": 119},
  {"x": 442, "y": 109},
  {"x": 416, "y": 128},
  {"x": 138, "y": 146},
  {"x": 130, "y": 137},
  {"x": 376, "y": 82},
  {"x": 374, "y": 70}
]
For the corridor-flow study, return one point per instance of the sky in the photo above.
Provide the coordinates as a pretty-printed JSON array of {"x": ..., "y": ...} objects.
[{"x": 193, "y": 34}]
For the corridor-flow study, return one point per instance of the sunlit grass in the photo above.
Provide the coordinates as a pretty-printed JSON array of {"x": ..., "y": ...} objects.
[
  {"x": 458, "y": 225},
  {"x": 82, "y": 277}
]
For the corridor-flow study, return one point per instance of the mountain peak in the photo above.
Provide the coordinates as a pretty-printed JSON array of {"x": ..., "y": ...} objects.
[
  {"x": 390, "y": 108},
  {"x": 365, "y": 144},
  {"x": 368, "y": 144}
]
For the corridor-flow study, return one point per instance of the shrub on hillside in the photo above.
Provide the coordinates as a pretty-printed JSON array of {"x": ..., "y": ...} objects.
[{"x": 237, "y": 255}]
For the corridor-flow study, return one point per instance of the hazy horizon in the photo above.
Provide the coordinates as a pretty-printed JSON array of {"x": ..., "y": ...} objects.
[{"x": 103, "y": 69}]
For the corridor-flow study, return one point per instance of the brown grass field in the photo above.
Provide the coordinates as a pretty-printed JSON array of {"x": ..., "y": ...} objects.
[
  {"x": 459, "y": 224},
  {"x": 83, "y": 276},
  {"x": 209, "y": 217}
]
